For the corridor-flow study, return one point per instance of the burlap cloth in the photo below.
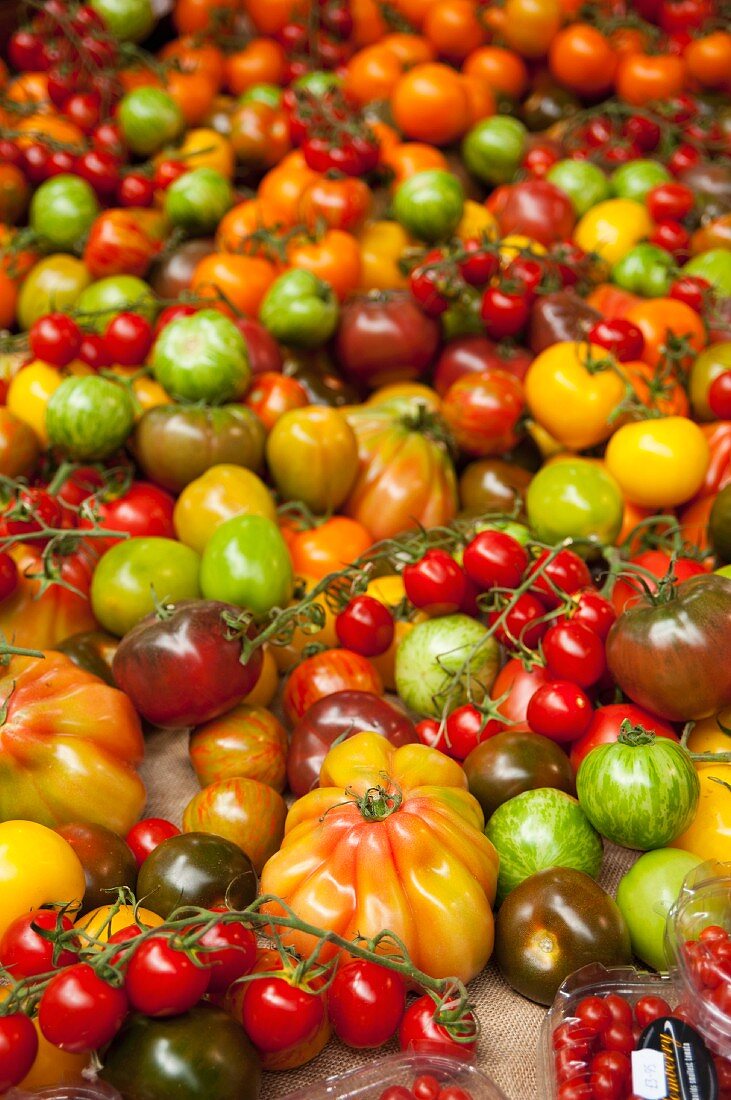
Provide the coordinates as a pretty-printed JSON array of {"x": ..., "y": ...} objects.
[{"x": 510, "y": 1024}]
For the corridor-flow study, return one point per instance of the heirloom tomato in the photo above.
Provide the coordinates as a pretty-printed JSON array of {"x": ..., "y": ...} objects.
[
  {"x": 406, "y": 477},
  {"x": 181, "y": 665},
  {"x": 124, "y": 242},
  {"x": 429, "y": 204},
  {"x": 92, "y": 650},
  {"x": 606, "y": 725},
  {"x": 574, "y": 498},
  {"x": 709, "y": 365},
  {"x": 31, "y": 389},
  {"x": 33, "y": 618},
  {"x": 483, "y": 412},
  {"x": 660, "y": 462},
  {"x": 246, "y": 741},
  {"x": 646, "y": 894},
  {"x": 445, "y": 662},
  {"x": 70, "y": 745},
  {"x": 381, "y": 246},
  {"x": 196, "y": 869},
  {"x": 612, "y": 228},
  {"x": 384, "y": 337},
  {"x": 665, "y": 654},
  {"x": 54, "y": 283},
  {"x": 493, "y": 149},
  {"x": 514, "y": 761},
  {"x": 175, "y": 444},
  {"x": 88, "y": 419},
  {"x": 709, "y": 833},
  {"x": 339, "y": 716},
  {"x": 136, "y": 574},
  {"x": 104, "y": 299},
  {"x": 328, "y": 546},
  {"x": 324, "y": 673},
  {"x": 37, "y": 867},
  {"x": 218, "y": 494},
  {"x": 246, "y": 562},
  {"x": 106, "y": 858},
  {"x": 572, "y": 389},
  {"x": 203, "y": 358},
  {"x": 415, "y": 834},
  {"x": 300, "y": 308},
  {"x": 312, "y": 455},
  {"x": 149, "y": 119},
  {"x": 62, "y": 211},
  {"x": 245, "y": 811},
  {"x": 659, "y": 563}
]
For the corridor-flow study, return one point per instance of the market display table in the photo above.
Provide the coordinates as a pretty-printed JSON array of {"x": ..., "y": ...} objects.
[{"x": 510, "y": 1024}]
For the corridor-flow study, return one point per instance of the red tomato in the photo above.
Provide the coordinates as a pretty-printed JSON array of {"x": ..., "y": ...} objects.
[
  {"x": 605, "y": 727},
  {"x": 18, "y": 1049},
  {"x": 145, "y": 836},
  {"x": 79, "y": 1011},
  {"x": 518, "y": 684},
  {"x": 24, "y": 953},
  {"x": 366, "y": 1003},
  {"x": 420, "y": 1029},
  {"x": 324, "y": 673},
  {"x": 141, "y": 509},
  {"x": 278, "y": 1015},
  {"x": 163, "y": 980},
  {"x": 655, "y": 563}
]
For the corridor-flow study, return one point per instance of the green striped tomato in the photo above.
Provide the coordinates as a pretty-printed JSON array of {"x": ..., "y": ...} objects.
[{"x": 640, "y": 791}]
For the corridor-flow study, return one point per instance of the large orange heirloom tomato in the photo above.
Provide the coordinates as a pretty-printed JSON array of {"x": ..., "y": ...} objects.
[
  {"x": 69, "y": 745},
  {"x": 36, "y": 619},
  {"x": 405, "y": 477},
  {"x": 392, "y": 840}
]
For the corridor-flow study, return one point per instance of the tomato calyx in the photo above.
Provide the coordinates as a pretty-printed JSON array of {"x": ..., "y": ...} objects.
[
  {"x": 378, "y": 803},
  {"x": 635, "y": 735}
]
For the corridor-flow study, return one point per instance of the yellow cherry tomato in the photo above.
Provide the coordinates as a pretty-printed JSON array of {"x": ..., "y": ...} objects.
[
  {"x": 477, "y": 221},
  {"x": 97, "y": 922},
  {"x": 709, "y": 834},
  {"x": 265, "y": 688},
  {"x": 390, "y": 591},
  {"x": 219, "y": 494},
  {"x": 571, "y": 390},
  {"x": 382, "y": 244},
  {"x": 612, "y": 227},
  {"x": 37, "y": 867},
  {"x": 30, "y": 391},
  {"x": 660, "y": 462},
  {"x": 206, "y": 148},
  {"x": 512, "y": 246}
]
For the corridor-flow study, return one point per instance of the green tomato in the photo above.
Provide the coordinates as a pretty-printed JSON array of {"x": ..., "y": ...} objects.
[
  {"x": 540, "y": 829},
  {"x": 196, "y": 869},
  {"x": 724, "y": 571},
  {"x": 445, "y": 661},
  {"x": 138, "y": 573},
  {"x": 89, "y": 417},
  {"x": 54, "y": 284},
  {"x": 634, "y": 179},
  {"x": 574, "y": 499},
  {"x": 300, "y": 309},
  {"x": 646, "y": 270},
  {"x": 62, "y": 210},
  {"x": 105, "y": 298},
  {"x": 583, "y": 182},
  {"x": 429, "y": 204},
  {"x": 707, "y": 366},
  {"x": 645, "y": 896},
  {"x": 319, "y": 82},
  {"x": 246, "y": 562},
  {"x": 463, "y": 318},
  {"x": 270, "y": 94},
  {"x": 198, "y": 200},
  {"x": 202, "y": 358},
  {"x": 713, "y": 265},
  {"x": 493, "y": 149},
  {"x": 127, "y": 20},
  {"x": 149, "y": 119}
]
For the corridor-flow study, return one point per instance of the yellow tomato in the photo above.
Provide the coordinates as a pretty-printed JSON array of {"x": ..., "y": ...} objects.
[
  {"x": 37, "y": 867},
  {"x": 660, "y": 462},
  {"x": 709, "y": 834},
  {"x": 30, "y": 390},
  {"x": 219, "y": 494},
  {"x": 206, "y": 148},
  {"x": 97, "y": 923},
  {"x": 390, "y": 591},
  {"x": 411, "y": 391},
  {"x": 147, "y": 391},
  {"x": 382, "y": 244},
  {"x": 265, "y": 688},
  {"x": 477, "y": 221},
  {"x": 612, "y": 227},
  {"x": 514, "y": 244},
  {"x": 571, "y": 390}
]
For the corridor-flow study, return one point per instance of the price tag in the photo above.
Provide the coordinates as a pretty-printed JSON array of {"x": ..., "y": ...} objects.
[{"x": 648, "y": 1075}]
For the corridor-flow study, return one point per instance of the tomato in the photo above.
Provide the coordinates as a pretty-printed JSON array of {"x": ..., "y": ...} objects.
[
  {"x": 175, "y": 444},
  {"x": 576, "y": 499},
  {"x": 639, "y": 791},
  {"x": 62, "y": 210},
  {"x": 230, "y": 952},
  {"x": 711, "y": 364},
  {"x": 278, "y": 1015},
  {"x": 107, "y": 861},
  {"x": 612, "y": 227},
  {"x": 89, "y": 418},
  {"x": 93, "y": 778},
  {"x": 366, "y": 1003},
  {"x": 300, "y": 309},
  {"x": 162, "y": 980},
  {"x": 196, "y": 869},
  {"x": 203, "y": 1052},
  {"x": 605, "y": 727},
  {"x": 382, "y": 832},
  {"x": 429, "y": 204},
  {"x": 493, "y": 149},
  {"x": 435, "y": 583},
  {"x": 25, "y": 953},
  {"x": 222, "y": 492},
  {"x": 531, "y": 25},
  {"x": 381, "y": 246},
  {"x": 246, "y": 562},
  {"x": 445, "y": 662},
  {"x": 313, "y": 457},
  {"x": 430, "y": 104},
  {"x": 123, "y": 242},
  {"x": 554, "y": 923},
  {"x": 247, "y": 741},
  {"x": 149, "y": 119},
  {"x": 645, "y": 895},
  {"x": 248, "y": 812},
  {"x": 147, "y": 834},
  {"x": 140, "y": 509},
  {"x": 79, "y": 1011},
  {"x": 324, "y": 673},
  {"x": 105, "y": 298},
  {"x": 560, "y": 710},
  {"x": 136, "y": 573},
  {"x": 54, "y": 875},
  {"x": 582, "y": 59},
  {"x": 642, "y": 78},
  {"x": 422, "y": 1028},
  {"x": 708, "y": 834},
  {"x": 571, "y": 403},
  {"x": 666, "y": 323},
  {"x": 483, "y": 410},
  {"x": 514, "y": 761},
  {"x": 18, "y": 1048},
  {"x": 202, "y": 358},
  {"x": 670, "y": 453},
  {"x": 385, "y": 338},
  {"x": 657, "y": 562}
]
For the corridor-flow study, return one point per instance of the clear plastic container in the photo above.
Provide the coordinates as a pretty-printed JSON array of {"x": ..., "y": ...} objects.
[
  {"x": 81, "y": 1090},
  {"x": 371, "y": 1081},
  {"x": 704, "y": 901},
  {"x": 594, "y": 980}
]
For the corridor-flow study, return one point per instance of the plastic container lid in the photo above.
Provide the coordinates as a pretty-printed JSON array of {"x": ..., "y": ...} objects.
[{"x": 368, "y": 1082}]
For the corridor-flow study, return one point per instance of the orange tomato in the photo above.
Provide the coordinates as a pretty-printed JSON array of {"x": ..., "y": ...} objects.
[
  {"x": 269, "y": 16},
  {"x": 582, "y": 59},
  {"x": 410, "y": 49},
  {"x": 244, "y": 280},
  {"x": 334, "y": 256},
  {"x": 28, "y": 88},
  {"x": 412, "y": 157},
  {"x": 664, "y": 321},
  {"x": 372, "y": 73},
  {"x": 236, "y": 227},
  {"x": 193, "y": 16},
  {"x": 196, "y": 56},
  {"x": 453, "y": 28},
  {"x": 480, "y": 97},
  {"x": 627, "y": 40},
  {"x": 194, "y": 94},
  {"x": 642, "y": 78},
  {"x": 414, "y": 11},
  {"x": 661, "y": 392},
  {"x": 138, "y": 76},
  {"x": 612, "y": 301},
  {"x": 694, "y": 518},
  {"x": 36, "y": 127},
  {"x": 531, "y": 25},
  {"x": 261, "y": 61},
  {"x": 272, "y": 394},
  {"x": 282, "y": 187},
  {"x": 329, "y": 546},
  {"x": 430, "y": 103},
  {"x": 504, "y": 70},
  {"x": 206, "y": 148},
  {"x": 369, "y": 25},
  {"x": 709, "y": 59}
]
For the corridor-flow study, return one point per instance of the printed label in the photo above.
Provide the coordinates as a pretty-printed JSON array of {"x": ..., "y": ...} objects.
[{"x": 648, "y": 1075}]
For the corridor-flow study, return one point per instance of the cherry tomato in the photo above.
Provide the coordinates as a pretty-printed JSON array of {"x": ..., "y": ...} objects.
[
  {"x": 574, "y": 652},
  {"x": 618, "y": 1037},
  {"x": 128, "y": 338},
  {"x": 719, "y": 396},
  {"x": 464, "y": 729},
  {"x": 693, "y": 291},
  {"x": 79, "y": 1011},
  {"x": 620, "y": 1009},
  {"x": 593, "y": 1014},
  {"x": 24, "y": 953},
  {"x": 494, "y": 559},
  {"x": 621, "y": 337},
  {"x": 418, "y": 1027},
  {"x": 480, "y": 265},
  {"x": 505, "y": 313},
  {"x": 366, "y": 1003},
  {"x": 230, "y": 953},
  {"x": 18, "y": 1049},
  {"x": 560, "y": 710},
  {"x": 593, "y": 610},
  {"x": 522, "y": 625},
  {"x": 278, "y": 1015},
  {"x": 365, "y": 626},
  {"x": 669, "y": 201},
  {"x": 145, "y": 836},
  {"x": 425, "y": 1087},
  {"x": 649, "y": 1008},
  {"x": 566, "y": 573},
  {"x": 135, "y": 189},
  {"x": 34, "y": 511},
  {"x": 435, "y": 583},
  {"x": 55, "y": 338},
  {"x": 163, "y": 980}
]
